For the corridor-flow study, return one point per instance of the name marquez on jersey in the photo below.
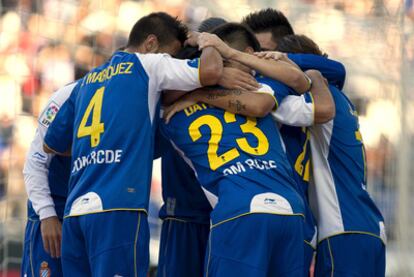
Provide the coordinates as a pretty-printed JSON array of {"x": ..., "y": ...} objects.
[
  {"x": 249, "y": 164},
  {"x": 97, "y": 157},
  {"x": 108, "y": 73}
]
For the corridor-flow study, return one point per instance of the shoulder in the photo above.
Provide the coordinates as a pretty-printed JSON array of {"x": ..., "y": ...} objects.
[
  {"x": 62, "y": 94},
  {"x": 55, "y": 102},
  {"x": 151, "y": 58}
]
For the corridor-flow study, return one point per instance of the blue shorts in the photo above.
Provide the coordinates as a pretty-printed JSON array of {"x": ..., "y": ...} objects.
[
  {"x": 351, "y": 255},
  {"x": 114, "y": 243},
  {"x": 182, "y": 249},
  {"x": 35, "y": 259},
  {"x": 260, "y": 245}
]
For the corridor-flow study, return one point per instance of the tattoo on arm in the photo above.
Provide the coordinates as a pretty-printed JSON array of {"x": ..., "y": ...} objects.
[
  {"x": 215, "y": 94},
  {"x": 237, "y": 105}
]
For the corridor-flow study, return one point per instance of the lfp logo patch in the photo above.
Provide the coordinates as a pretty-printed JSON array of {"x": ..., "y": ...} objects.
[
  {"x": 49, "y": 114},
  {"x": 45, "y": 270}
]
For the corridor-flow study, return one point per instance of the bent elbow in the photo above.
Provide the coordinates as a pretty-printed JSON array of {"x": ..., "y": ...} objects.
[
  {"x": 299, "y": 83},
  {"x": 325, "y": 114},
  {"x": 261, "y": 110}
]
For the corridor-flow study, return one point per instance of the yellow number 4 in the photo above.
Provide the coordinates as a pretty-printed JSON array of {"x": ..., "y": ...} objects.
[{"x": 97, "y": 127}]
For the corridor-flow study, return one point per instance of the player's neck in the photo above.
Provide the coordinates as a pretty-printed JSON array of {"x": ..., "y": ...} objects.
[{"x": 134, "y": 49}]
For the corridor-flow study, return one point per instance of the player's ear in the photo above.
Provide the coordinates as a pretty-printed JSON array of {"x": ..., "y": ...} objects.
[
  {"x": 249, "y": 50},
  {"x": 151, "y": 44}
]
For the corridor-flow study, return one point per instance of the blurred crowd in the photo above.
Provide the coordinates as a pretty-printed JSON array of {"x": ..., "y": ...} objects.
[{"x": 45, "y": 44}]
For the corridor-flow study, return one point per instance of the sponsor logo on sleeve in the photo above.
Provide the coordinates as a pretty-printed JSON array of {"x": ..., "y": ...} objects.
[{"x": 49, "y": 114}]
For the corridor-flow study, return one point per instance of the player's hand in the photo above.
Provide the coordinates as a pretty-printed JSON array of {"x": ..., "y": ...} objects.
[
  {"x": 233, "y": 78},
  {"x": 192, "y": 39},
  {"x": 207, "y": 39},
  {"x": 182, "y": 103},
  {"x": 275, "y": 55},
  {"x": 51, "y": 230}
]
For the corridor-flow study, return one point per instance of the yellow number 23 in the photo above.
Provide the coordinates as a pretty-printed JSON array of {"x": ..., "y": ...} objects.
[{"x": 216, "y": 128}]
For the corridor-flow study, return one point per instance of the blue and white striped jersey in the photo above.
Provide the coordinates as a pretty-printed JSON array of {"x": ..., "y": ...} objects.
[
  {"x": 338, "y": 190},
  {"x": 239, "y": 161},
  {"x": 108, "y": 121}
]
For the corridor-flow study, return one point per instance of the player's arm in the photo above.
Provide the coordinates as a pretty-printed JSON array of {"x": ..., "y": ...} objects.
[
  {"x": 316, "y": 106},
  {"x": 247, "y": 103},
  {"x": 35, "y": 174},
  {"x": 277, "y": 70},
  {"x": 36, "y": 171},
  {"x": 232, "y": 100},
  {"x": 322, "y": 97},
  {"x": 232, "y": 78},
  {"x": 211, "y": 66},
  {"x": 333, "y": 71}
]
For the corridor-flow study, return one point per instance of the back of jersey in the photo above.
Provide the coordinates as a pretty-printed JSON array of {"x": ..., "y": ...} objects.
[
  {"x": 239, "y": 161},
  {"x": 112, "y": 138},
  {"x": 109, "y": 122},
  {"x": 339, "y": 167}
]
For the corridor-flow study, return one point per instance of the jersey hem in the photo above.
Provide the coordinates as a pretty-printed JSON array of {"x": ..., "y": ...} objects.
[
  {"x": 353, "y": 232},
  {"x": 184, "y": 220},
  {"x": 53, "y": 149},
  {"x": 310, "y": 244},
  {"x": 109, "y": 210},
  {"x": 249, "y": 213}
]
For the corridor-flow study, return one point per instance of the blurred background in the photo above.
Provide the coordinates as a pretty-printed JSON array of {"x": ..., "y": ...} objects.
[{"x": 44, "y": 44}]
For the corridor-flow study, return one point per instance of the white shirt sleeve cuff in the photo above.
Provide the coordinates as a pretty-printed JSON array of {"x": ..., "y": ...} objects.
[{"x": 46, "y": 212}]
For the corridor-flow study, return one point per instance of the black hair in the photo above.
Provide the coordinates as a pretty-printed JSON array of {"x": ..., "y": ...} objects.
[
  {"x": 299, "y": 44},
  {"x": 269, "y": 20},
  {"x": 165, "y": 27},
  {"x": 210, "y": 23},
  {"x": 238, "y": 36},
  {"x": 207, "y": 25}
]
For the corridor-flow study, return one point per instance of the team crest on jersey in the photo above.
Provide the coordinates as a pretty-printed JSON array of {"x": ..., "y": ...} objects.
[
  {"x": 49, "y": 114},
  {"x": 44, "y": 270}
]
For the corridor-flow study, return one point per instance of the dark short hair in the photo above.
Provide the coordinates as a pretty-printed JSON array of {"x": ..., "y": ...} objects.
[
  {"x": 299, "y": 44},
  {"x": 207, "y": 25},
  {"x": 210, "y": 23},
  {"x": 269, "y": 20},
  {"x": 165, "y": 27},
  {"x": 237, "y": 35}
]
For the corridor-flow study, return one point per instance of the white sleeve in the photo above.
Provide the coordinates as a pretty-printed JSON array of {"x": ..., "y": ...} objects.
[
  {"x": 36, "y": 167},
  {"x": 167, "y": 73},
  {"x": 295, "y": 111},
  {"x": 35, "y": 172}
]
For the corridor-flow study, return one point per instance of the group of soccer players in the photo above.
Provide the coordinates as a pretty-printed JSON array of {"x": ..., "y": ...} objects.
[{"x": 263, "y": 163}]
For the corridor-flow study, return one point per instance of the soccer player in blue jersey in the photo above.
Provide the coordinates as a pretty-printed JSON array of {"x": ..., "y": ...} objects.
[
  {"x": 107, "y": 125},
  {"x": 46, "y": 178},
  {"x": 238, "y": 188},
  {"x": 270, "y": 26},
  {"x": 293, "y": 110},
  {"x": 186, "y": 210},
  {"x": 351, "y": 240}
]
